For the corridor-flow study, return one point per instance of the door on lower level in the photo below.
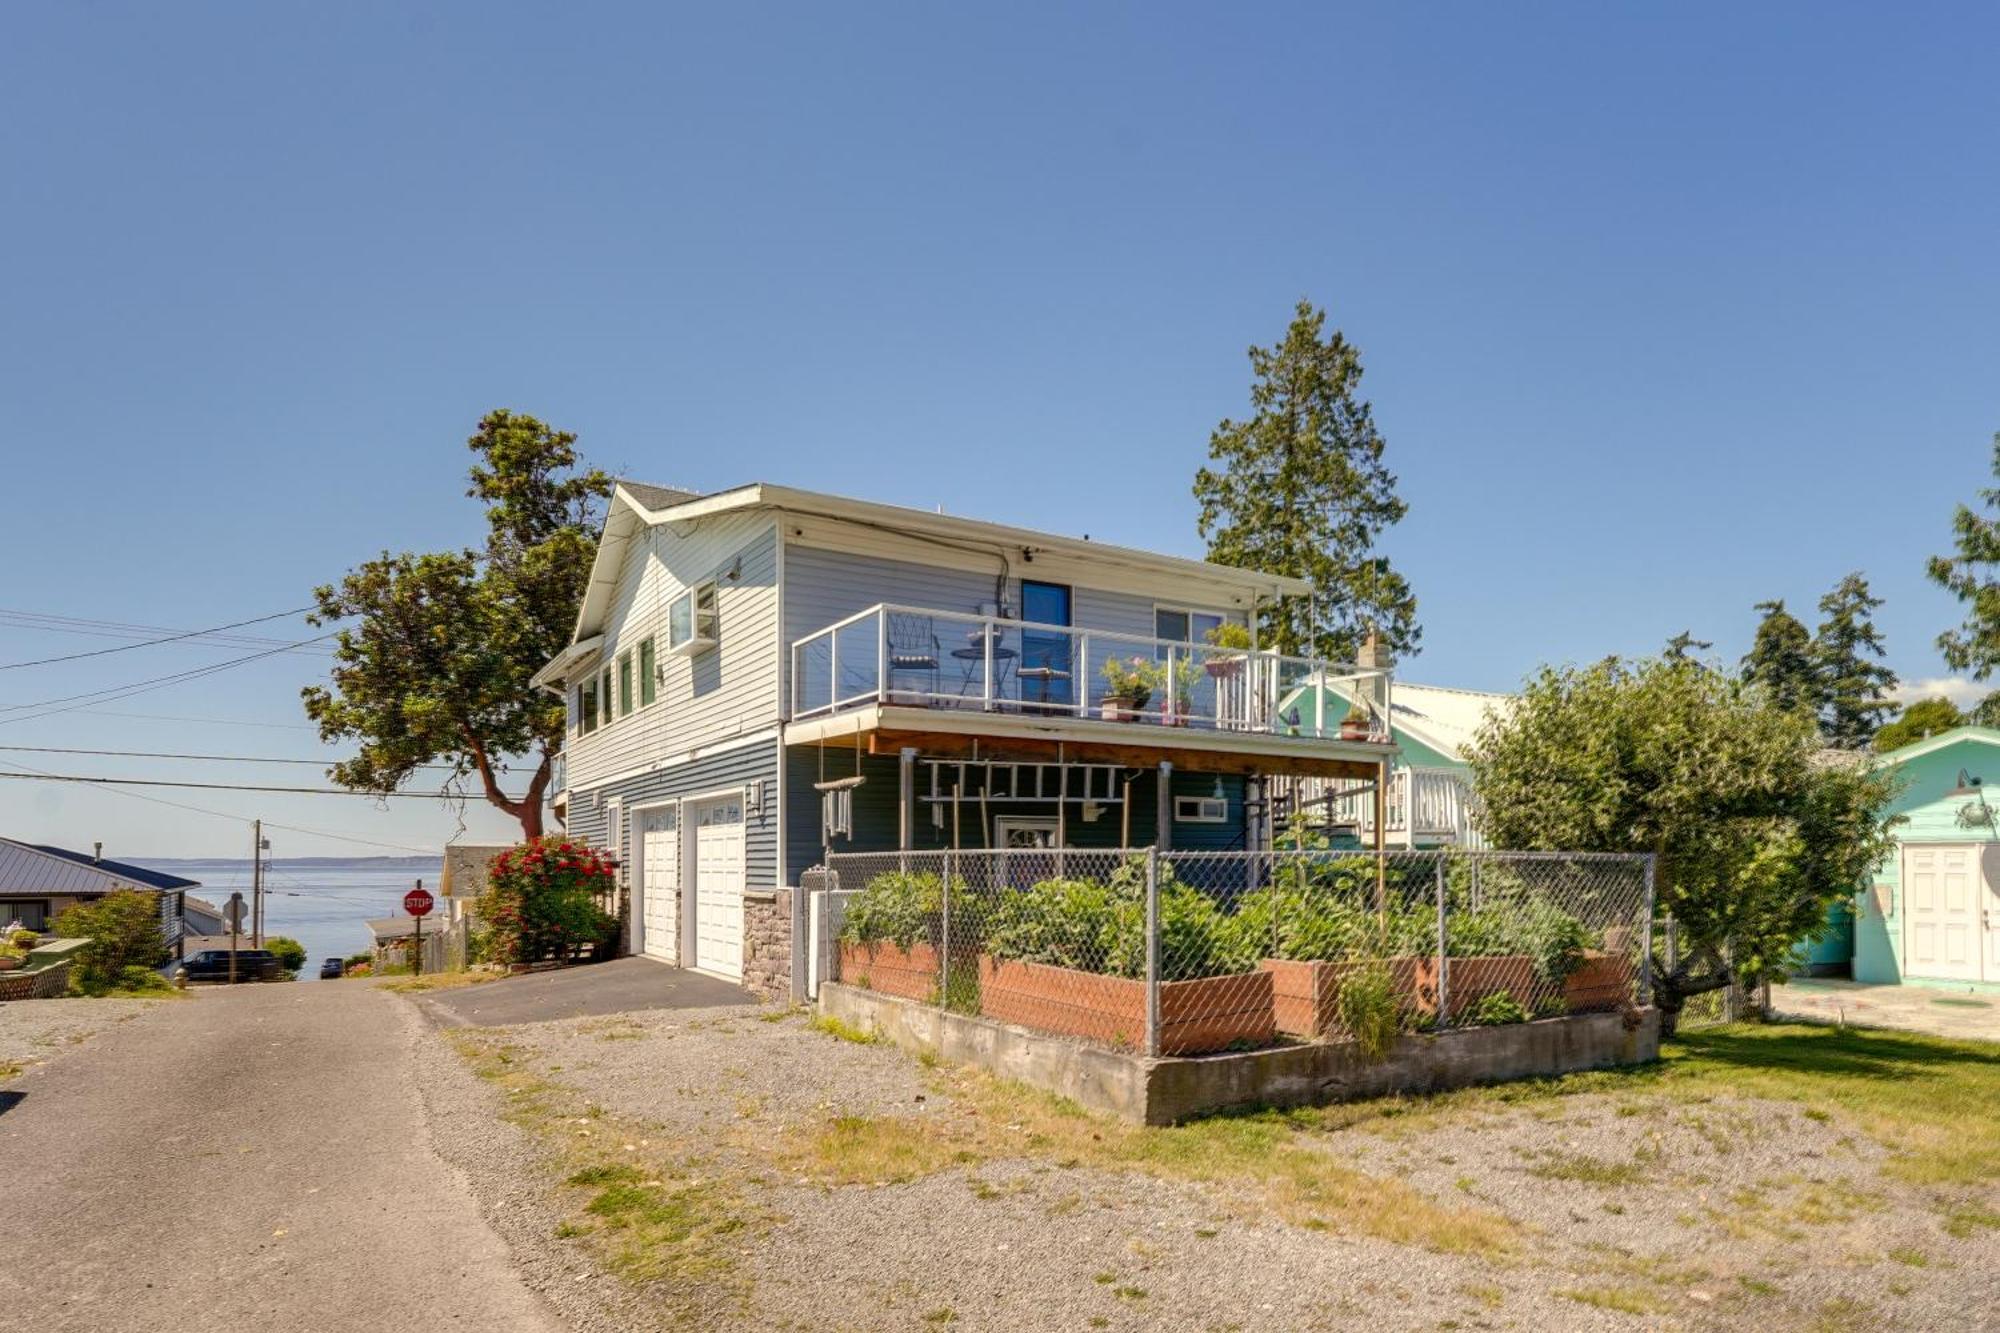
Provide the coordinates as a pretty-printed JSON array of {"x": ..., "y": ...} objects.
[
  {"x": 659, "y": 890},
  {"x": 1944, "y": 901},
  {"x": 718, "y": 886}
]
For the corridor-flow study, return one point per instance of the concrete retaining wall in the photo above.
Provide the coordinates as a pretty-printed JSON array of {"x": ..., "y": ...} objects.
[{"x": 1164, "y": 1091}]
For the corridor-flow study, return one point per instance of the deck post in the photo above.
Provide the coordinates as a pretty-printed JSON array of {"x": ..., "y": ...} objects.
[
  {"x": 1381, "y": 838},
  {"x": 906, "y": 799},
  {"x": 1163, "y": 831}
]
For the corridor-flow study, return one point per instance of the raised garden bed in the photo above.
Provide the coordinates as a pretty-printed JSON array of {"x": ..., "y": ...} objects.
[
  {"x": 1306, "y": 994},
  {"x": 888, "y": 967},
  {"x": 1204, "y": 1015},
  {"x": 1604, "y": 981},
  {"x": 1473, "y": 979}
]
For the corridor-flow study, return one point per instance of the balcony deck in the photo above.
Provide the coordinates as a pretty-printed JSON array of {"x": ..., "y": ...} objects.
[{"x": 984, "y": 687}]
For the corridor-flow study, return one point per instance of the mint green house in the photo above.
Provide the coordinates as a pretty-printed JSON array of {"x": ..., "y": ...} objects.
[{"x": 1931, "y": 913}]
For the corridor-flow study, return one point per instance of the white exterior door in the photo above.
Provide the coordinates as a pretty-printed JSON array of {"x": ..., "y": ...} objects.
[
  {"x": 718, "y": 886},
  {"x": 1944, "y": 897},
  {"x": 660, "y": 871}
]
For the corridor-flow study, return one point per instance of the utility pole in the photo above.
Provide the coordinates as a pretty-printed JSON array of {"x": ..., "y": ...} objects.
[{"x": 257, "y": 845}]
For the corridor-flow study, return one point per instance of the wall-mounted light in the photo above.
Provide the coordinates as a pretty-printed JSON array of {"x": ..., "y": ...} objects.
[{"x": 1968, "y": 785}]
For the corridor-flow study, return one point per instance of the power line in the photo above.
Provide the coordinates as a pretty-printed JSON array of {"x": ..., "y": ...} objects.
[
  {"x": 210, "y": 721},
  {"x": 175, "y": 754},
  {"x": 150, "y": 643},
  {"x": 238, "y": 786},
  {"x": 117, "y": 692},
  {"x": 113, "y": 629}
]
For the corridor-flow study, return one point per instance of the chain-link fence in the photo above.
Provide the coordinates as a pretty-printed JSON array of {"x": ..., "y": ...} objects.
[{"x": 1179, "y": 953}]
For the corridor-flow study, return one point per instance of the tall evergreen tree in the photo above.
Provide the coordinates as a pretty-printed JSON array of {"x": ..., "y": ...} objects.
[
  {"x": 1969, "y": 574},
  {"x": 1854, "y": 689},
  {"x": 1682, "y": 646},
  {"x": 1300, "y": 489},
  {"x": 1780, "y": 660}
]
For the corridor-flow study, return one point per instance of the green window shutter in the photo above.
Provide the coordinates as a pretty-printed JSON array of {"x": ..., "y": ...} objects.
[{"x": 648, "y": 690}]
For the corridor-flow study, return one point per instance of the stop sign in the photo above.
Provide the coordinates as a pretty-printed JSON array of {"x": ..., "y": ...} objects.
[{"x": 417, "y": 902}]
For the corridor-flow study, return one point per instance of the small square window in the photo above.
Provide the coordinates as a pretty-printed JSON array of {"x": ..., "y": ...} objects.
[
  {"x": 692, "y": 622},
  {"x": 625, "y": 685},
  {"x": 648, "y": 685}
]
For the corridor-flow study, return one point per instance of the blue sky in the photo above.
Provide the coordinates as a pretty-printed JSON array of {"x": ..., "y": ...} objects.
[{"x": 1664, "y": 311}]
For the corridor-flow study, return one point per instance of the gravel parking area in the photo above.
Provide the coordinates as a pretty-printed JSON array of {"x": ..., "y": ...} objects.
[
  {"x": 34, "y": 1032},
  {"x": 745, "y": 1168}
]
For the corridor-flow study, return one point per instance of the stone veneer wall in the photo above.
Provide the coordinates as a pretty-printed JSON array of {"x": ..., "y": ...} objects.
[{"x": 767, "y": 944}]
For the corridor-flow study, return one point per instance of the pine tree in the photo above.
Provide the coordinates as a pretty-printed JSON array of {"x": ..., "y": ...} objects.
[
  {"x": 1853, "y": 689},
  {"x": 1780, "y": 660},
  {"x": 1969, "y": 576},
  {"x": 1678, "y": 648},
  {"x": 1301, "y": 490}
]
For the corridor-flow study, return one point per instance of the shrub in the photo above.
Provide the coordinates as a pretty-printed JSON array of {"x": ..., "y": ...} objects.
[
  {"x": 24, "y": 939},
  {"x": 291, "y": 953},
  {"x": 1498, "y": 1008},
  {"x": 542, "y": 900},
  {"x": 1101, "y": 927},
  {"x": 124, "y": 932}
]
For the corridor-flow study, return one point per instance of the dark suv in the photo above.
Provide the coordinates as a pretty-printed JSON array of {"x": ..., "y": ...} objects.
[
  {"x": 251, "y": 965},
  {"x": 332, "y": 969}
]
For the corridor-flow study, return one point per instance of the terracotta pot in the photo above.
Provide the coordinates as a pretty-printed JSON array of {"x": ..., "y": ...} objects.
[
  {"x": 886, "y": 967},
  {"x": 9, "y": 964},
  {"x": 1473, "y": 979},
  {"x": 1211, "y": 1014},
  {"x": 1306, "y": 994},
  {"x": 1223, "y": 667},
  {"x": 1603, "y": 982},
  {"x": 1353, "y": 729}
]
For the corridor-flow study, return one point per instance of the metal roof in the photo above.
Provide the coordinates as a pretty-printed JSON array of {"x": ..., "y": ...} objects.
[{"x": 27, "y": 867}]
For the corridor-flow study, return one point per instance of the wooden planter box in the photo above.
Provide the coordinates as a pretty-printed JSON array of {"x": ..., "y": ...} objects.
[
  {"x": 885, "y": 967},
  {"x": 1306, "y": 995},
  {"x": 1473, "y": 979},
  {"x": 1211, "y": 1014},
  {"x": 1603, "y": 982}
]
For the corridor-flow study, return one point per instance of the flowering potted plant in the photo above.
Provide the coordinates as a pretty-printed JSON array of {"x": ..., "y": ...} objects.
[
  {"x": 1129, "y": 683},
  {"x": 1235, "y": 638}
]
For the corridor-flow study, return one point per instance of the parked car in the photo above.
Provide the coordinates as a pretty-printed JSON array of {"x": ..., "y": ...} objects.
[
  {"x": 213, "y": 965},
  {"x": 330, "y": 970}
]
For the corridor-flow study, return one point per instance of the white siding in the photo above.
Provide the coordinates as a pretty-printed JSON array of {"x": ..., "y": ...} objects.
[{"x": 728, "y": 691}]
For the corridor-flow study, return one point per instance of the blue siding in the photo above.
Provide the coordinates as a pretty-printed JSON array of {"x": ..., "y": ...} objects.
[{"x": 589, "y": 817}]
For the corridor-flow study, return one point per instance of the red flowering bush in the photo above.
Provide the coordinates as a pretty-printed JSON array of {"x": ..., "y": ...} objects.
[{"x": 543, "y": 900}]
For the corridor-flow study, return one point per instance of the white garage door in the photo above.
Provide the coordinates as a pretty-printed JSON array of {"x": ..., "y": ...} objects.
[
  {"x": 1943, "y": 892},
  {"x": 660, "y": 899},
  {"x": 718, "y": 886}
]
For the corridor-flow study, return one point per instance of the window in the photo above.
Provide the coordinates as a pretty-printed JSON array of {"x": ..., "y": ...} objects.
[
  {"x": 604, "y": 697},
  {"x": 691, "y": 621},
  {"x": 625, "y": 685},
  {"x": 586, "y": 706},
  {"x": 1045, "y": 672},
  {"x": 32, "y": 913},
  {"x": 1179, "y": 625},
  {"x": 648, "y": 687},
  {"x": 1200, "y": 810}
]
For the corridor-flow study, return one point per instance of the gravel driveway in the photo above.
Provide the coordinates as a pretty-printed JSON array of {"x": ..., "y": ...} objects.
[
  {"x": 745, "y": 1168},
  {"x": 35, "y": 1032}
]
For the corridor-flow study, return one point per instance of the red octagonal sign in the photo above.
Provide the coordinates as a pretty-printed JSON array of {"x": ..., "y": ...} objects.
[{"x": 417, "y": 902}]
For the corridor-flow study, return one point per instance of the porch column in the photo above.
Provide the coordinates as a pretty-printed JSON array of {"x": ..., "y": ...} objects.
[
  {"x": 906, "y": 798},
  {"x": 1163, "y": 829},
  {"x": 1381, "y": 836}
]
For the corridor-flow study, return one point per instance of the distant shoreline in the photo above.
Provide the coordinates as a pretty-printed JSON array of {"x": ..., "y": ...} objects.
[{"x": 295, "y": 862}]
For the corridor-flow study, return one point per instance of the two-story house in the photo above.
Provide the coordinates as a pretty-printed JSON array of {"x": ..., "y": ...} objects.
[{"x": 764, "y": 674}]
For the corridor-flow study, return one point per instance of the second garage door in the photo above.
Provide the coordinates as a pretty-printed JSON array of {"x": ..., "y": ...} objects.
[
  {"x": 718, "y": 886},
  {"x": 660, "y": 870}
]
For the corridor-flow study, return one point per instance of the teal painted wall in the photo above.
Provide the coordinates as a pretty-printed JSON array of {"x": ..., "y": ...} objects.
[
  {"x": 1932, "y": 816},
  {"x": 1415, "y": 754}
]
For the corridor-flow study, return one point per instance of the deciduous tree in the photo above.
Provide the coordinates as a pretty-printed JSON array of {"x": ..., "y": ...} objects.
[
  {"x": 1925, "y": 718},
  {"x": 436, "y": 670},
  {"x": 1300, "y": 488},
  {"x": 1755, "y": 839}
]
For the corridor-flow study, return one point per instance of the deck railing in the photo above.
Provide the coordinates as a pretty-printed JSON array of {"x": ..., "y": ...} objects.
[{"x": 926, "y": 658}]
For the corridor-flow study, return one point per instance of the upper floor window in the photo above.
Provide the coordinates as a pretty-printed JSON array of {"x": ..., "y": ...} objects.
[
  {"x": 624, "y": 684},
  {"x": 691, "y": 621},
  {"x": 649, "y": 685},
  {"x": 586, "y": 706},
  {"x": 1181, "y": 625}
]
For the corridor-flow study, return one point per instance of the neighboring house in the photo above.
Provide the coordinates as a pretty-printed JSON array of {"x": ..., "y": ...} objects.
[
  {"x": 765, "y": 674},
  {"x": 1931, "y": 913},
  {"x": 37, "y": 883},
  {"x": 202, "y": 918},
  {"x": 1429, "y": 800}
]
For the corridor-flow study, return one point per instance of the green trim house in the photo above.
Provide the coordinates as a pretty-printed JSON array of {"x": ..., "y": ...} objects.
[{"x": 1930, "y": 915}]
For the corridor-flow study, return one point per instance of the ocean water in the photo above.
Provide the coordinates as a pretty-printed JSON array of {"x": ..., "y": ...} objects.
[{"x": 323, "y": 903}]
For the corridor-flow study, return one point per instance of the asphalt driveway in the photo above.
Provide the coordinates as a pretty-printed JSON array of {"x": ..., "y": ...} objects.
[{"x": 623, "y": 985}]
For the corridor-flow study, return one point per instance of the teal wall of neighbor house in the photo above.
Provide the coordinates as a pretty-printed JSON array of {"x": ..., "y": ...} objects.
[
  {"x": 1414, "y": 753},
  {"x": 1932, "y": 815}
]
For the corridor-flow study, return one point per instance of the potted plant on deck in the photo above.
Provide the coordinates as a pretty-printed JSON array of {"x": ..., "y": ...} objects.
[
  {"x": 1236, "y": 640},
  {"x": 1129, "y": 683}
]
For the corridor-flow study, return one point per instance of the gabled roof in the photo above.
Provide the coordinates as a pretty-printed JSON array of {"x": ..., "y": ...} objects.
[
  {"x": 636, "y": 506},
  {"x": 1446, "y": 719},
  {"x": 33, "y": 868},
  {"x": 1930, "y": 744}
]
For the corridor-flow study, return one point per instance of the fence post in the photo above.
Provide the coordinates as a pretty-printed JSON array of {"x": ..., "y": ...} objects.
[
  {"x": 1646, "y": 958},
  {"x": 1444, "y": 951},
  {"x": 944, "y": 933},
  {"x": 1153, "y": 950}
]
